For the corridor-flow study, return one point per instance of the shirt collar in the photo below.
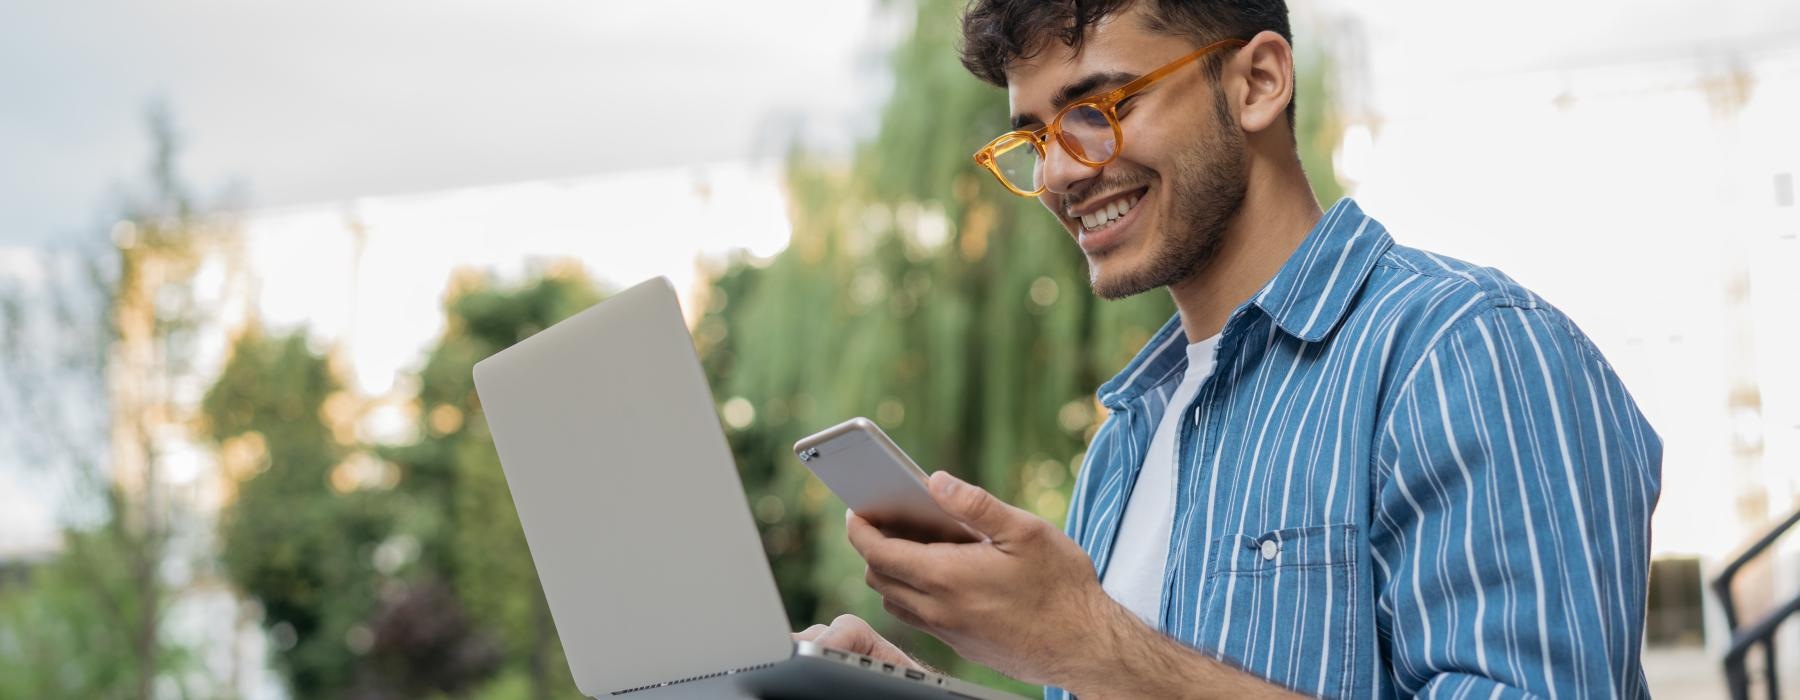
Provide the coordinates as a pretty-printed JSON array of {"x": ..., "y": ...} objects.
[
  {"x": 1306, "y": 298},
  {"x": 1166, "y": 349},
  {"x": 1311, "y": 292}
]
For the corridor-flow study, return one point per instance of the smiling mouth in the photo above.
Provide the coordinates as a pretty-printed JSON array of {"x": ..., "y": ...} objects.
[
  {"x": 1107, "y": 215},
  {"x": 1106, "y": 227},
  {"x": 1104, "y": 217}
]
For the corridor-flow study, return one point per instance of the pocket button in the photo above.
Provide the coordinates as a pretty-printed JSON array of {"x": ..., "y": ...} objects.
[{"x": 1270, "y": 549}]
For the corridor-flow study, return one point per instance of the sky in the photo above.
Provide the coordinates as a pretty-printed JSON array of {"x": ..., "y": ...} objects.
[
  {"x": 382, "y": 299},
  {"x": 296, "y": 103}
]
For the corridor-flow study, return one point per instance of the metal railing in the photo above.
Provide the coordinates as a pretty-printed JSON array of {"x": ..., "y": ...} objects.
[{"x": 1762, "y": 632}]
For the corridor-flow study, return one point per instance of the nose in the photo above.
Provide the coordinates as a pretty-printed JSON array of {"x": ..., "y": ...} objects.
[{"x": 1062, "y": 173}]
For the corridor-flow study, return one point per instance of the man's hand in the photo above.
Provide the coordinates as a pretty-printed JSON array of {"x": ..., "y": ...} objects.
[
  {"x": 1019, "y": 601},
  {"x": 849, "y": 633},
  {"x": 1026, "y": 602}
]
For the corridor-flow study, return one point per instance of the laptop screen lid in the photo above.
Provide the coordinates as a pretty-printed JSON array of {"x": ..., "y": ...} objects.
[{"x": 630, "y": 498}]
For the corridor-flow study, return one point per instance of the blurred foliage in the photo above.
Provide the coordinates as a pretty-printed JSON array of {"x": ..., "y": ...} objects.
[
  {"x": 390, "y": 572},
  {"x": 313, "y": 549},
  {"x": 917, "y": 292},
  {"x": 1318, "y": 123},
  {"x": 66, "y": 626},
  {"x": 89, "y": 399},
  {"x": 470, "y": 533}
]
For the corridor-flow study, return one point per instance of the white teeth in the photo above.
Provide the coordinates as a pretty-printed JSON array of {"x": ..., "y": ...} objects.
[{"x": 1113, "y": 211}]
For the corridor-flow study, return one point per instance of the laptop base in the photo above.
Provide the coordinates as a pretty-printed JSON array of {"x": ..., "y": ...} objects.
[{"x": 804, "y": 677}]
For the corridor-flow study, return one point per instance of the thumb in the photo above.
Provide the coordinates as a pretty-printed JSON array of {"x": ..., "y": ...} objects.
[{"x": 974, "y": 506}]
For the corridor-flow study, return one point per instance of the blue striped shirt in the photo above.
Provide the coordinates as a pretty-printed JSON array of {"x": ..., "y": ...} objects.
[{"x": 1407, "y": 475}]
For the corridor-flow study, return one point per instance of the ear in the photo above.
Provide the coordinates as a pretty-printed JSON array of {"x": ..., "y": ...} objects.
[{"x": 1261, "y": 82}]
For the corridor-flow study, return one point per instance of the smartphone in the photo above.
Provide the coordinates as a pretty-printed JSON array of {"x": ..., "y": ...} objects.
[{"x": 878, "y": 481}]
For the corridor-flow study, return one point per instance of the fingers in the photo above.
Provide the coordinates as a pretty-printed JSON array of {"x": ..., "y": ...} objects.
[
  {"x": 895, "y": 589},
  {"x": 906, "y": 603},
  {"x": 917, "y": 609},
  {"x": 850, "y": 633},
  {"x": 904, "y": 614},
  {"x": 810, "y": 634},
  {"x": 895, "y": 557},
  {"x": 980, "y": 510}
]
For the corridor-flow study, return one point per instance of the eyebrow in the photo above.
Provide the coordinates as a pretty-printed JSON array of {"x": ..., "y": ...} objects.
[{"x": 1087, "y": 85}]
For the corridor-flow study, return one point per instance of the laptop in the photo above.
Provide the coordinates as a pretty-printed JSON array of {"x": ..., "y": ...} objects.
[{"x": 637, "y": 521}]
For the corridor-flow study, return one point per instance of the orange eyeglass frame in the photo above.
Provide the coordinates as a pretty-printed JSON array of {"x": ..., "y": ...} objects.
[{"x": 1107, "y": 103}]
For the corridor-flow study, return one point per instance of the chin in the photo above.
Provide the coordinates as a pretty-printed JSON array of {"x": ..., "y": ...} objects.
[{"x": 1113, "y": 276}]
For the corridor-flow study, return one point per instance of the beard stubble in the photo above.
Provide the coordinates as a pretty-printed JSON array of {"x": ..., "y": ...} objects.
[{"x": 1205, "y": 189}]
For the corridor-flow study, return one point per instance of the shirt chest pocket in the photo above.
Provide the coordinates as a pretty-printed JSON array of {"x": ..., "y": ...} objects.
[{"x": 1282, "y": 604}]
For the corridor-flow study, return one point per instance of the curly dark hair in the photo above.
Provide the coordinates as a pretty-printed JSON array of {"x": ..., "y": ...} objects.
[{"x": 996, "y": 33}]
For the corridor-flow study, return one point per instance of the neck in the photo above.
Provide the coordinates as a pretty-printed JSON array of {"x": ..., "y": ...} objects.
[{"x": 1279, "y": 209}]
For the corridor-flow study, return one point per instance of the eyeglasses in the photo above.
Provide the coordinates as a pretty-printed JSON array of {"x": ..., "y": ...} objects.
[{"x": 1088, "y": 130}]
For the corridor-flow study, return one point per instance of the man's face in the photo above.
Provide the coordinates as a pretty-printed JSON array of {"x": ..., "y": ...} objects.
[{"x": 1181, "y": 171}]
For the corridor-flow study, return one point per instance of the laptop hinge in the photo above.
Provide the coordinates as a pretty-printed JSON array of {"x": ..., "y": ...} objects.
[{"x": 727, "y": 672}]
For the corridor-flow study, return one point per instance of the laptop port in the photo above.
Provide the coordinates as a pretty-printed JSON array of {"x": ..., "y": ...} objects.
[
  {"x": 915, "y": 675},
  {"x": 887, "y": 668},
  {"x": 866, "y": 662},
  {"x": 835, "y": 654}
]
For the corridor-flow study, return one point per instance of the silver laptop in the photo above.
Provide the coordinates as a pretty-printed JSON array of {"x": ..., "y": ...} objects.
[{"x": 638, "y": 524}]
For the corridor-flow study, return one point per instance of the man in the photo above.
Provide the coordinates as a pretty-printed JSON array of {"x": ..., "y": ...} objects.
[{"x": 1346, "y": 468}]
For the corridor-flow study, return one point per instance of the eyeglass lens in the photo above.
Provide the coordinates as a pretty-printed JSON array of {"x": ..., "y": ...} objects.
[{"x": 1087, "y": 133}]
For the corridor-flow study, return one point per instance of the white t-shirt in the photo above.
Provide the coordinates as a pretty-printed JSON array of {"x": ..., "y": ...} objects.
[{"x": 1134, "y": 576}]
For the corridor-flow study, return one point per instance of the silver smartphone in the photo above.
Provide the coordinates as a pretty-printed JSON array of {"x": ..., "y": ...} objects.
[{"x": 878, "y": 481}]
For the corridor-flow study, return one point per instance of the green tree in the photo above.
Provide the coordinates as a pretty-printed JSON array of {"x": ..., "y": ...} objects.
[
  {"x": 90, "y": 621},
  {"x": 324, "y": 552},
  {"x": 918, "y": 293},
  {"x": 471, "y": 532},
  {"x": 65, "y": 627},
  {"x": 413, "y": 584},
  {"x": 288, "y": 540}
]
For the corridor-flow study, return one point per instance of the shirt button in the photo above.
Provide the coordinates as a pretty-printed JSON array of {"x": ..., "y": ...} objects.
[{"x": 1270, "y": 549}]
